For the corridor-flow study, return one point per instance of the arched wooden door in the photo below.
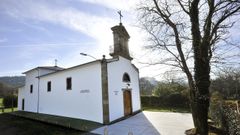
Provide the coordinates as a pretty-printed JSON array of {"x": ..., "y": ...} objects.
[{"x": 127, "y": 99}]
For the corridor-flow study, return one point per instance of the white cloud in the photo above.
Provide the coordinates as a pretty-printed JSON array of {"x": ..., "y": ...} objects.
[
  {"x": 97, "y": 27},
  {"x": 2, "y": 40},
  {"x": 115, "y": 4}
]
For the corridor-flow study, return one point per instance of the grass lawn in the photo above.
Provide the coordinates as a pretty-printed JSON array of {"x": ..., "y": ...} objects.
[
  {"x": 166, "y": 109},
  {"x": 6, "y": 110},
  {"x": 13, "y": 125},
  {"x": 1, "y": 102}
]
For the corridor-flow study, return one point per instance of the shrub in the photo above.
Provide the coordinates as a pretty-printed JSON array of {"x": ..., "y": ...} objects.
[
  {"x": 215, "y": 108},
  {"x": 177, "y": 100},
  {"x": 172, "y": 100},
  {"x": 231, "y": 123},
  {"x": 10, "y": 100},
  {"x": 170, "y": 95},
  {"x": 224, "y": 114},
  {"x": 165, "y": 89}
]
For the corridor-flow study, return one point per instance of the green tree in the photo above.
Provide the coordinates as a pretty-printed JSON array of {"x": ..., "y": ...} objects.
[
  {"x": 146, "y": 87},
  {"x": 10, "y": 101},
  {"x": 227, "y": 83},
  {"x": 183, "y": 30},
  {"x": 166, "y": 89}
]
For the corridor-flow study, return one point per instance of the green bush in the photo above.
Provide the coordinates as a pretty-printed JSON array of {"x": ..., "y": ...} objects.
[
  {"x": 168, "y": 95},
  {"x": 231, "y": 118},
  {"x": 172, "y": 100},
  {"x": 224, "y": 114},
  {"x": 8, "y": 101},
  {"x": 215, "y": 108},
  {"x": 165, "y": 89},
  {"x": 177, "y": 100}
]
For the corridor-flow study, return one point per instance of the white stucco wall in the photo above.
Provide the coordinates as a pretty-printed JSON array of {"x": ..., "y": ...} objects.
[
  {"x": 115, "y": 85},
  {"x": 31, "y": 99},
  {"x": 84, "y": 101},
  {"x": 73, "y": 103},
  {"x": 24, "y": 92},
  {"x": 20, "y": 97}
]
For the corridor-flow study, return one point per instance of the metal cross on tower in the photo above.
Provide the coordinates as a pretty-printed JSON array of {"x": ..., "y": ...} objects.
[{"x": 120, "y": 15}]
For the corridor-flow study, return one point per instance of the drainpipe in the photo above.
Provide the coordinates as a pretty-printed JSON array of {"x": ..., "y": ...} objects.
[{"x": 38, "y": 93}]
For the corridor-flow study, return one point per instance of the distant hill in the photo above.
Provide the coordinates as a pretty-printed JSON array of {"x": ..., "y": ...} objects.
[{"x": 13, "y": 81}]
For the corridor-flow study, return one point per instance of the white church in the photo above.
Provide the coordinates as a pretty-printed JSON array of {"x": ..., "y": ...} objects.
[{"x": 103, "y": 90}]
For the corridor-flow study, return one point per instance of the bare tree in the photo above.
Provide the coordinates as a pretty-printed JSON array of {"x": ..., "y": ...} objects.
[
  {"x": 188, "y": 34},
  {"x": 227, "y": 83}
]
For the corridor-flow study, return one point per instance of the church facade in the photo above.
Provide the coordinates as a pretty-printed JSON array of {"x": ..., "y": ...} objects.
[{"x": 102, "y": 91}]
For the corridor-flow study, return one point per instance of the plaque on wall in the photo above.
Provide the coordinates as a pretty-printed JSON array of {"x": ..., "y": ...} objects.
[
  {"x": 84, "y": 91},
  {"x": 115, "y": 92}
]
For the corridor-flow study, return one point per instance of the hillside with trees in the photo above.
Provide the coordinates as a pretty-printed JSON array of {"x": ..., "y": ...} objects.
[
  {"x": 8, "y": 85},
  {"x": 13, "y": 81}
]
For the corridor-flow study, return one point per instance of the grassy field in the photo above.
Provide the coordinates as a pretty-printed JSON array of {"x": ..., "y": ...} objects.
[
  {"x": 166, "y": 109},
  {"x": 12, "y": 125},
  {"x": 1, "y": 102}
]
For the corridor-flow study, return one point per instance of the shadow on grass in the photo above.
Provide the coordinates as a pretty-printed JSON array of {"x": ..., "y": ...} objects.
[{"x": 12, "y": 125}]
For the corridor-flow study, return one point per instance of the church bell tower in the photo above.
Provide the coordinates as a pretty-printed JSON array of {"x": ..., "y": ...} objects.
[{"x": 120, "y": 39}]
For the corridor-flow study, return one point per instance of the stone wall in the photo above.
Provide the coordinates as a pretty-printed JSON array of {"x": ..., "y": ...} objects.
[{"x": 231, "y": 118}]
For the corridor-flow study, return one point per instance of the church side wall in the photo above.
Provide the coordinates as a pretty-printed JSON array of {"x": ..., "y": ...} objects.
[
  {"x": 30, "y": 99},
  {"x": 115, "y": 85},
  {"x": 45, "y": 71},
  {"x": 20, "y": 97},
  {"x": 83, "y": 101}
]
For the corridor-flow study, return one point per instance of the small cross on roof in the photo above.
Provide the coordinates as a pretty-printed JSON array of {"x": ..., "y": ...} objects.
[{"x": 120, "y": 15}]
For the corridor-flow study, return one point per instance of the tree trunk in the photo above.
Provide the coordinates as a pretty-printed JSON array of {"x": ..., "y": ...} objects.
[
  {"x": 200, "y": 102},
  {"x": 200, "y": 115},
  {"x": 200, "y": 96}
]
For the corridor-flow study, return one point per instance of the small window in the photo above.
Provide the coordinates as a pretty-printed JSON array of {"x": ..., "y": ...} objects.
[
  {"x": 49, "y": 86},
  {"x": 126, "y": 78},
  {"x": 31, "y": 88},
  {"x": 69, "y": 83}
]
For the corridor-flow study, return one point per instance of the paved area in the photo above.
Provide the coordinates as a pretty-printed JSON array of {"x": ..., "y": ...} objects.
[{"x": 151, "y": 123}]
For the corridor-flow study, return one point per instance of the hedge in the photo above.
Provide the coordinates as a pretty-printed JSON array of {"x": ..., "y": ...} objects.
[
  {"x": 173, "y": 100},
  {"x": 8, "y": 100},
  {"x": 225, "y": 114}
]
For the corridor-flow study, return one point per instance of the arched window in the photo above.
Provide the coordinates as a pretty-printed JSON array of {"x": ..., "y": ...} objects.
[{"x": 126, "y": 78}]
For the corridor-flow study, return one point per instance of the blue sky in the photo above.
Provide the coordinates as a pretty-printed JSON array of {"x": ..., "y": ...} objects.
[{"x": 35, "y": 32}]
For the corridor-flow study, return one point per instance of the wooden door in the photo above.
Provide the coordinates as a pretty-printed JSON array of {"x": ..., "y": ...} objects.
[
  {"x": 23, "y": 104},
  {"x": 127, "y": 102}
]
